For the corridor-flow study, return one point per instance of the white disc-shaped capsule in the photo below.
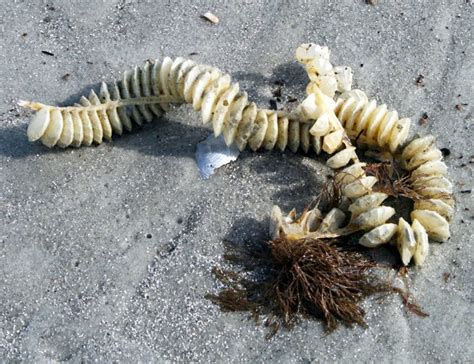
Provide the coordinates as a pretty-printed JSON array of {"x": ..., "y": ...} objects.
[
  {"x": 343, "y": 76},
  {"x": 350, "y": 174},
  {"x": 322, "y": 126},
  {"x": 67, "y": 134},
  {"x": 54, "y": 130},
  {"x": 417, "y": 146},
  {"x": 434, "y": 168},
  {"x": 434, "y": 192},
  {"x": 399, "y": 134},
  {"x": 422, "y": 245},
  {"x": 433, "y": 181},
  {"x": 271, "y": 134},
  {"x": 259, "y": 130},
  {"x": 366, "y": 203},
  {"x": 429, "y": 155},
  {"x": 333, "y": 141},
  {"x": 222, "y": 108},
  {"x": 245, "y": 127},
  {"x": 294, "y": 135},
  {"x": 373, "y": 218},
  {"x": 440, "y": 206},
  {"x": 282, "y": 140},
  {"x": 342, "y": 158},
  {"x": 436, "y": 225},
  {"x": 39, "y": 124},
  {"x": 332, "y": 221},
  {"x": 359, "y": 187},
  {"x": 406, "y": 242},
  {"x": 277, "y": 224},
  {"x": 378, "y": 236}
]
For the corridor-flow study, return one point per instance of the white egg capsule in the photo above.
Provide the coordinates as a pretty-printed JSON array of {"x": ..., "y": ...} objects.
[
  {"x": 406, "y": 242},
  {"x": 422, "y": 245},
  {"x": 437, "y": 205},
  {"x": 373, "y": 218},
  {"x": 277, "y": 224},
  {"x": 366, "y": 203},
  {"x": 359, "y": 187},
  {"x": 350, "y": 174},
  {"x": 430, "y": 155},
  {"x": 436, "y": 225},
  {"x": 417, "y": 146},
  {"x": 332, "y": 221},
  {"x": 434, "y": 192},
  {"x": 340, "y": 159},
  {"x": 378, "y": 236},
  {"x": 344, "y": 78},
  {"x": 433, "y": 181},
  {"x": 433, "y": 168},
  {"x": 312, "y": 220},
  {"x": 309, "y": 51}
]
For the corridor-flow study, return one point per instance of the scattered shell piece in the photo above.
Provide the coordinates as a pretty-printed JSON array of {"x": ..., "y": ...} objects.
[
  {"x": 210, "y": 17},
  {"x": 213, "y": 153}
]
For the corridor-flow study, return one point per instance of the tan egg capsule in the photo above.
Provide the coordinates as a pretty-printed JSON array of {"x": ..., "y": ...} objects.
[
  {"x": 378, "y": 236},
  {"x": 366, "y": 203},
  {"x": 437, "y": 205},
  {"x": 417, "y": 146},
  {"x": 350, "y": 174},
  {"x": 342, "y": 158},
  {"x": 434, "y": 192},
  {"x": 39, "y": 124},
  {"x": 359, "y": 187},
  {"x": 432, "y": 181},
  {"x": 373, "y": 218},
  {"x": 433, "y": 168},
  {"x": 432, "y": 154},
  {"x": 406, "y": 242},
  {"x": 436, "y": 225},
  {"x": 422, "y": 245},
  {"x": 333, "y": 141},
  {"x": 332, "y": 221}
]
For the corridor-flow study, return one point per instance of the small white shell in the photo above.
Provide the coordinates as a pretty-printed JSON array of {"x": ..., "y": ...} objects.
[
  {"x": 366, "y": 203},
  {"x": 373, "y": 218},
  {"x": 436, "y": 225},
  {"x": 417, "y": 146},
  {"x": 437, "y": 205},
  {"x": 422, "y": 245},
  {"x": 359, "y": 187},
  {"x": 406, "y": 242},
  {"x": 433, "y": 168},
  {"x": 378, "y": 236},
  {"x": 340, "y": 159}
]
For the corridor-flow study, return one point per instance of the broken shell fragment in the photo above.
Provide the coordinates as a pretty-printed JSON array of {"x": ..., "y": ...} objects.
[
  {"x": 436, "y": 225},
  {"x": 422, "y": 245},
  {"x": 373, "y": 218},
  {"x": 379, "y": 235},
  {"x": 406, "y": 242}
]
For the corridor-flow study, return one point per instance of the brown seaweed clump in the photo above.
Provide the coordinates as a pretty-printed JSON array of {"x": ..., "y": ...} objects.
[{"x": 302, "y": 278}]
